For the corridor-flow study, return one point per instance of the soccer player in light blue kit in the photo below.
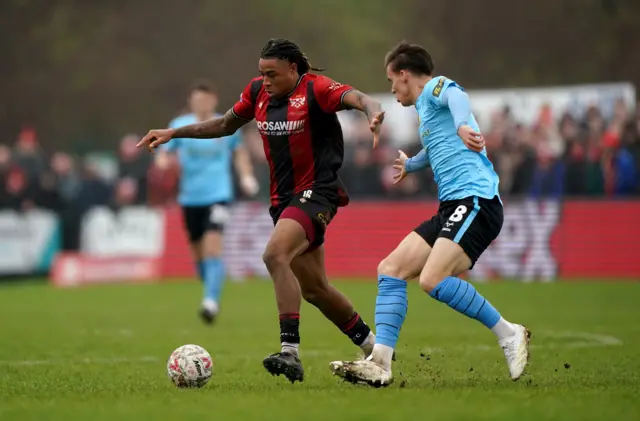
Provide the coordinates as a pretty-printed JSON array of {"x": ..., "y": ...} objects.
[
  {"x": 469, "y": 218},
  {"x": 206, "y": 190}
]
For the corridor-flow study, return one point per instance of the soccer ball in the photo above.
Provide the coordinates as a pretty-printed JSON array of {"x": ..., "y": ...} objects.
[{"x": 190, "y": 366}]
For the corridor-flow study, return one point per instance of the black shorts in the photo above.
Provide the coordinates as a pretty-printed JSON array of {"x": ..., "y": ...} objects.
[
  {"x": 200, "y": 219},
  {"x": 473, "y": 223},
  {"x": 313, "y": 209}
]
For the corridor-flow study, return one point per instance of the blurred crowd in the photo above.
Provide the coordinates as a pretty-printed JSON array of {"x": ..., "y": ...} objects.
[{"x": 557, "y": 156}]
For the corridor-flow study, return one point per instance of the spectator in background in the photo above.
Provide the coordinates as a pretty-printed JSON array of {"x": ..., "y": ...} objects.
[
  {"x": 575, "y": 157},
  {"x": 549, "y": 173},
  {"x": 134, "y": 164},
  {"x": 93, "y": 190},
  {"x": 162, "y": 179},
  {"x": 361, "y": 175},
  {"x": 17, "y": 193},
  {"x": 631, "y": 142},
  {"x": 593, "y": 129},
  {"x": 27, "y": 154},
  {"x": 618, "y": 167},
  {"x": 66, "y": 180},
  {"x": 524, "y": 161},
  {"x": 5, "y": 165},
  {"x": 125, "y": 193},
  {"x": 46, "y": 193},
  {"x": 549, "y": 131}
]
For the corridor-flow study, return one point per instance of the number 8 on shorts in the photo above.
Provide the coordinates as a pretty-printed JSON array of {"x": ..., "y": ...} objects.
[{"x": 458, "y": 214}]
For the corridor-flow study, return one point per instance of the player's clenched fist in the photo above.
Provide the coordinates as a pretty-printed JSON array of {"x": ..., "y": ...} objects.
[
  {"x": 472, "y": 139},
  {"x": 155, "y": 138}
]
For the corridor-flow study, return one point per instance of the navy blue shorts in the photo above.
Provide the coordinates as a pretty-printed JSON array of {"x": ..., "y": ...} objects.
[
  {"x": 200, "y": 219},
  {"x": 472, "y": 222}
]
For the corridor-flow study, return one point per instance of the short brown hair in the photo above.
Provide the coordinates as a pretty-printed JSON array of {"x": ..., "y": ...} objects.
[
  {"x": 203, "y": 85},
  {"x": 411, "y": 57}
]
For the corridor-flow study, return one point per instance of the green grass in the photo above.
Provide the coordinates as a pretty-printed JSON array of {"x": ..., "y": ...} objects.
[{"x": 99, "y": 353}]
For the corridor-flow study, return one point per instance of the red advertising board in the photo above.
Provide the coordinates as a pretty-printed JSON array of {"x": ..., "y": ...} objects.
[{"x": 539, "y": 240}]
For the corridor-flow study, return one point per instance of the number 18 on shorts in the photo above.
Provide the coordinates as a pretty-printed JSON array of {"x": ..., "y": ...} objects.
[{"x": 472, "y": 222}]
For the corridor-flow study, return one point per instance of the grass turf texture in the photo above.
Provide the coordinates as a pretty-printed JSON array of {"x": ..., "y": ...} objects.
[{"x": 99, "y": 353}]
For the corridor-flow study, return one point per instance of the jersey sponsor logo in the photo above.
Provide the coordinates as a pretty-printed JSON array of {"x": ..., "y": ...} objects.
[
  {"x": 438, "y": 89},
  {"x": 334, "y": 86},
  {"x": 280, "y": 128},
  {"x": 298, "y": 101}
]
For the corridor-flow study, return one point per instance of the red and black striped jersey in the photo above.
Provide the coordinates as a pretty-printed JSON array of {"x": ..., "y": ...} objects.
[{"x": 301, "y": 134}]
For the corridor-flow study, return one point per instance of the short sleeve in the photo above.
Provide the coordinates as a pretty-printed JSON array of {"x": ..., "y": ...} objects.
[
  {"x": 330, "y": 94},
  {"x": 437, "y": 92},
  {"x": 245, "y": 108}
]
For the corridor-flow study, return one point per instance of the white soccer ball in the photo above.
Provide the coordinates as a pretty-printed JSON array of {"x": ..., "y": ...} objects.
[{"x": 190, "y": 366}]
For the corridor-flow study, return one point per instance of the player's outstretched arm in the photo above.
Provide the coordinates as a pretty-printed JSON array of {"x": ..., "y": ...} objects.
[
  {"x": 226, "y": 125},
  {"x": 216, "y": 127},
  {"x": 406, "y": 165},
  {"x": 417, "y": 162},
  {"x": 370, "y": 107}
]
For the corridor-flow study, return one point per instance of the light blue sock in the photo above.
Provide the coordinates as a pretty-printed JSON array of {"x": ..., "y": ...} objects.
[
  {"x": 391, "y": 309},
  {"x": 200, "y": 269},
  {"x": 213, "y": 278},
  {"x": 463, "y": 298}
]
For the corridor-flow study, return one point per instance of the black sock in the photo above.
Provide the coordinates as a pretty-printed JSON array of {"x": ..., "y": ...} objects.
[
  {"x": 289, "y": 329},
  {"x": 356, "y": 329}
]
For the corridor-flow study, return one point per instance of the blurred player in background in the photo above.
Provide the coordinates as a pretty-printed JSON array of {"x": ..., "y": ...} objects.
[
  {"x": 295, "y": 112},
  {"x": 470, "y": 217},
  {"x": 206, "y": 189}
]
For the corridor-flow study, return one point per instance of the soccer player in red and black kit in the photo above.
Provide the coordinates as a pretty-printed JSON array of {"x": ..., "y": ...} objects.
[{"x": 295, "y": 112}]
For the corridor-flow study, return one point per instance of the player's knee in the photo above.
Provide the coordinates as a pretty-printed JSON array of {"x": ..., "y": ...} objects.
[
  {"x": 211, "y": 244},
  {"x": 211, "y": 252},
  {"x": 274, "y": 258},
  {"x": 391, "y": 268},
  {"x": 430, "y": 279}
]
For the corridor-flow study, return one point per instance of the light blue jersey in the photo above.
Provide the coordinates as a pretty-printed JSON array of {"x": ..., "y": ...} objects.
[
  {"x": 459, "y": 172},
  {"x": 206, "y": 166}
]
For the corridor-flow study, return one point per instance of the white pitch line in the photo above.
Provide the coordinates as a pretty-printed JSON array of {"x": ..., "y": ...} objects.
[
  {"x": 89, "y": 361},
  {"x": 574, "y": 340},
  {"x": 145, "y": 359}
]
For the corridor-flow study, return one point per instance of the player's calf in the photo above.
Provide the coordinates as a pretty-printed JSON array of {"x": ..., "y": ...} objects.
[
  {"x": 287, "y": 240},
  {"x": 335, "y": 306},
  {"x": 213, "y": 273},
  {"x": 438, "y": 280},
  {"x": 403, "y": 264}
]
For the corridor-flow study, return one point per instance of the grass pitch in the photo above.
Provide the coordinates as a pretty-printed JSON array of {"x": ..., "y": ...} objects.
[{"x": 99, "y": 353}]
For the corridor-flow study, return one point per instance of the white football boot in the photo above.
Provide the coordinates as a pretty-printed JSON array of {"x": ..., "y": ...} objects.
[
  {"x": 516, "y": 351},
  {"x": 363, "y": 372}
]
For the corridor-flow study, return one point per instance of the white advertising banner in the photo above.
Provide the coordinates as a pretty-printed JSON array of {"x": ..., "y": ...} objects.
[
  {"x": 132, "y": 231},
  {"x": 28, "y": 241}
]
